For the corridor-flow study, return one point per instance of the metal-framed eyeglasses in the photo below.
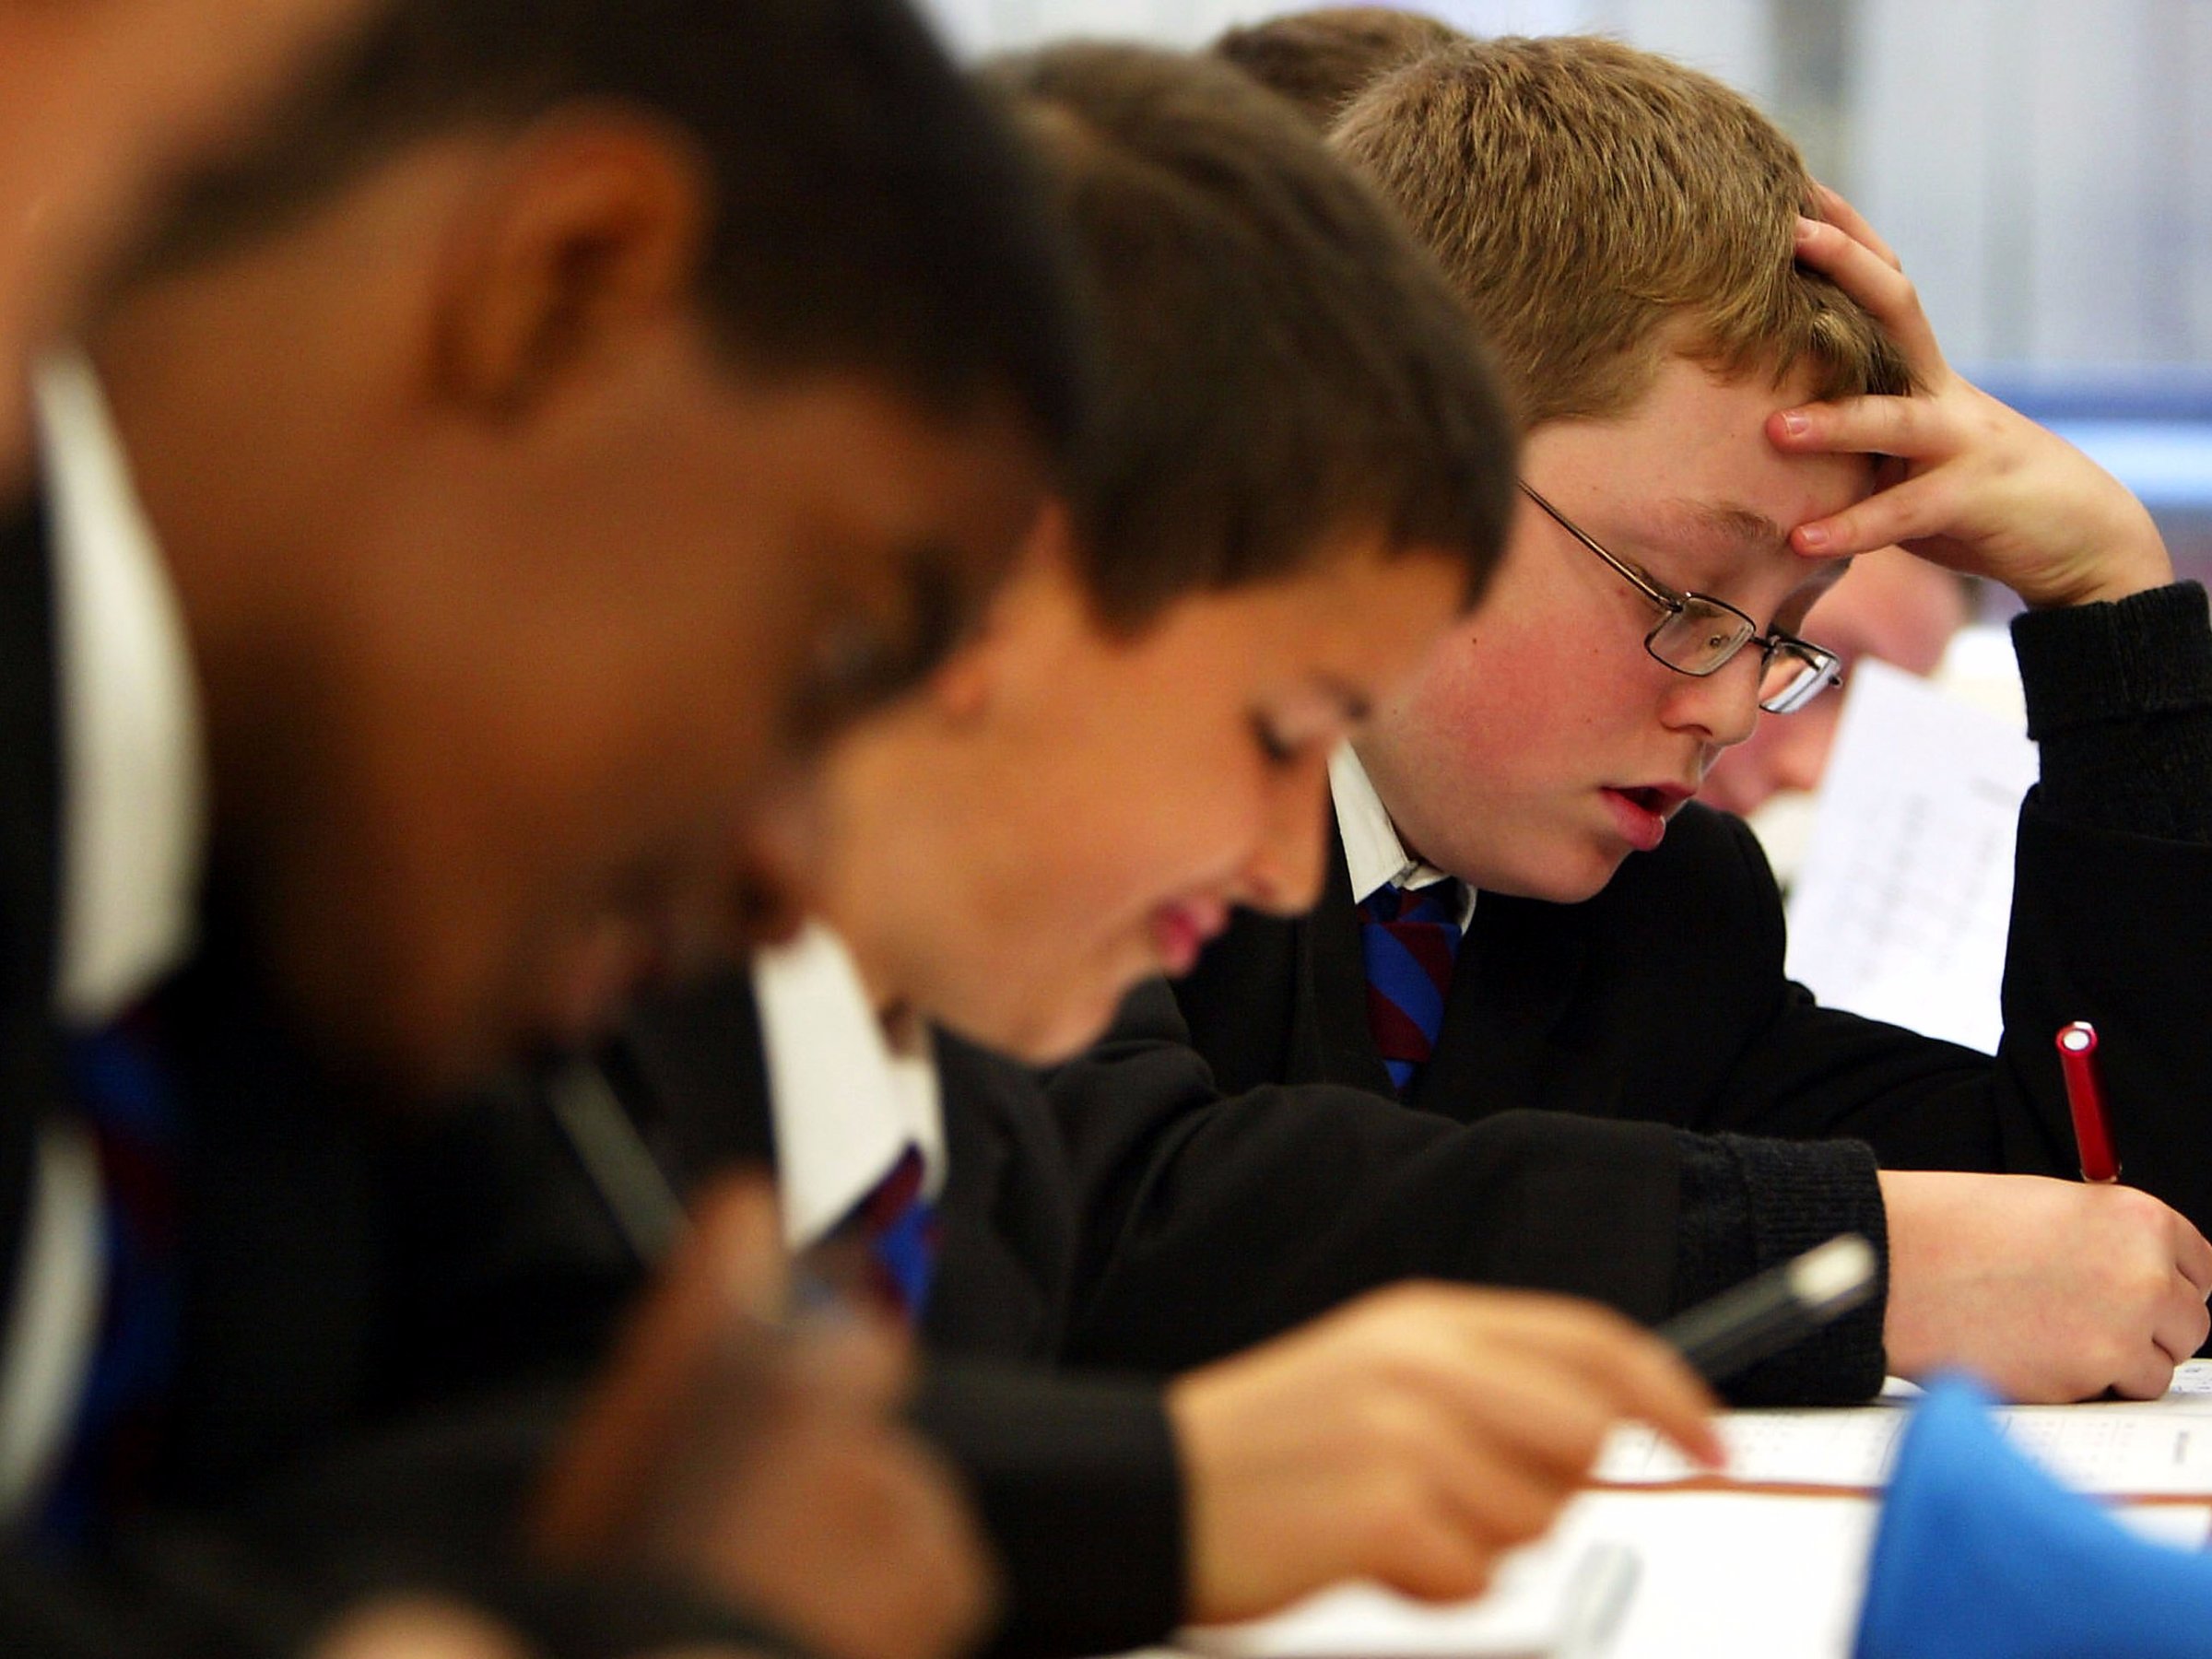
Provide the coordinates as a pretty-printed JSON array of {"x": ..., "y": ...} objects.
[{"x": 1699, "y": 635}]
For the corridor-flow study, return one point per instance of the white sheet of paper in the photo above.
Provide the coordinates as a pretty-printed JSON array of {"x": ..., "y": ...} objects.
[
  {"x": 1787, "y": 1570},
  {"x": 1723, "y": 1575},
  {"x": 2118, "y": 1448},
  {"x": 1902, "y": 906},
  {"x": 1523, "y": 1614}
]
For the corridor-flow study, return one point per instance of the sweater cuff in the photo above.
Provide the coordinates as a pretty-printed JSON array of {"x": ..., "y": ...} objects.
[
  {"x": 2120, "y": 702},
  {"x": 1080, "y": 1488},
  {"x": 1751, "y": 1203},
  {"x": 2089, "y": 664}
]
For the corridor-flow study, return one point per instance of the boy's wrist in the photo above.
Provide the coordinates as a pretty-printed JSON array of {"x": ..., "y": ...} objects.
[{"x": 2129, "y": 560}]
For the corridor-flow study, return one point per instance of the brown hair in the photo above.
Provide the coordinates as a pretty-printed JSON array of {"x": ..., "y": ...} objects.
[
  {"x": 1602, "y": 208},
  {"x": 1280, "y": 363},
  {"x": 1321, "y": 60}
]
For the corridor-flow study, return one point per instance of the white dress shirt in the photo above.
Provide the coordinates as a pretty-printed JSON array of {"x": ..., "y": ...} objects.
[
  {"x": 133, "y": 841},
  {"x": 1373, "y": 854},
  {"x": 849, "y": 1096}
]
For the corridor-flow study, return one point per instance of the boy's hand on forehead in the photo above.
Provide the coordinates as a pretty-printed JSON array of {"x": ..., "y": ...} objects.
[
  {"x": 1966, "y": 482},
  {"x": 762, "y": 1458}
]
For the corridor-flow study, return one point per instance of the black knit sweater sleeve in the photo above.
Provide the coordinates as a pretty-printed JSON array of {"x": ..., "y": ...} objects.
[{"x": 2120, "y": 701}]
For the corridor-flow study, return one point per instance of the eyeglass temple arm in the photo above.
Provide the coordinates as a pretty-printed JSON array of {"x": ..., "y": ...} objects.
[{"x": 1643, "y": 584}]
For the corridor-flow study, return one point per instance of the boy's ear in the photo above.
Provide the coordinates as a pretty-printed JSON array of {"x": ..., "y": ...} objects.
[{"x": 590, "y": 235}]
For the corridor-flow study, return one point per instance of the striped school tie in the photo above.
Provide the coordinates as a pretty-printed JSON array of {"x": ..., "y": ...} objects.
[
  {"x": 129, "y": 1105},
  {"x": 1410, "y": 939},
  {"x": 896, "y": 1232}
]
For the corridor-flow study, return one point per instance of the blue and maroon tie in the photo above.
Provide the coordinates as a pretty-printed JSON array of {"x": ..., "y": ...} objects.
[
  {"x": 899, "y": 1226},
  {"x": 1411, "y": 940},
  {"x": 129, "y": 1105}
]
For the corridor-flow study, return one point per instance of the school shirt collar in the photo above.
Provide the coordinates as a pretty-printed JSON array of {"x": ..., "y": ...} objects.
[
  {"x": 134, "y": 771},
  {"x": 1373, "y": 854},
  {"x": 133, "y": 822},
  {"x": 848, "y": 1096}
]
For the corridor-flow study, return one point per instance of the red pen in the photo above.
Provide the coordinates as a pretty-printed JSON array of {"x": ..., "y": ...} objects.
[{"x": 2085, "y": 1098}]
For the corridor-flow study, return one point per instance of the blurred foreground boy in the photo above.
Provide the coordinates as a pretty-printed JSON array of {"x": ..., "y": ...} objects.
[
  {"x": 443, "y": 563},
  {"x": 103, "y": 108}
]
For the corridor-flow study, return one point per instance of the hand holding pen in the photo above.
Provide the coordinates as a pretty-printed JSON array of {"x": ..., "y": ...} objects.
[{"x": 758, "y": 1457}]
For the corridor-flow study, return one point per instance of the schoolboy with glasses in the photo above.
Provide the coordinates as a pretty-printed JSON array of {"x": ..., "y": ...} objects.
[{"x": 1704, "y": 372}]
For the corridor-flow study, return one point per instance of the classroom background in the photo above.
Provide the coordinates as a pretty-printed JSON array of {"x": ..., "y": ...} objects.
[{"x": 2045, "y": 167}]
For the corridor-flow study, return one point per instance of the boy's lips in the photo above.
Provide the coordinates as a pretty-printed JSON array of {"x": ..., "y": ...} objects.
[
  {"x": 1180, "y": 932},
  {"x": 1641, "y": 810}
]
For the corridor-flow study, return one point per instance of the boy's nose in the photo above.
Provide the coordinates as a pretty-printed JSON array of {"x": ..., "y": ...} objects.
[
  {"x": 1284, "y": 874},
  {"x": 1721, "y": 707}
]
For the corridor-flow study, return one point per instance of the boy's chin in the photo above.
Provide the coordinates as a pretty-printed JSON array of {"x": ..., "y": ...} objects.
[
  {"x": 1571, "y": 879},
  {"x": 1044, "y": 1031}
]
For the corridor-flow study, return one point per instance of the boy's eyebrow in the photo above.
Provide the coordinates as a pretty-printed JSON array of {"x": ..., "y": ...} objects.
[
  {"x": 1741, "y": 525},
  {"x": 1747, "y": 528}
]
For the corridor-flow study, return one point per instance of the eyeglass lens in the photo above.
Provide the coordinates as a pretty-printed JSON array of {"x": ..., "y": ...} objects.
[{"x": 1701, "y": 637}]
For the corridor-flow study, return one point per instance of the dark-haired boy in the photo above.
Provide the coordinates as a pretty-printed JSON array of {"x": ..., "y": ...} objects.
[
  {"x": 445, "y": 558},
  {"x": 1135, "y": 738},
  {"x": 101, "y": 109}
]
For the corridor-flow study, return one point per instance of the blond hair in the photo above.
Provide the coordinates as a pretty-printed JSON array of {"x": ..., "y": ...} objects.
[{"x": 1603, "y": 208}]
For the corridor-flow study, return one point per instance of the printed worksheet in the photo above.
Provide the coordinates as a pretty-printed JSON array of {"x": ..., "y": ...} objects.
[
  {"x": 1789, "y": 1571},
  {"x": 2117, "y": 1448},
  {"x": 1902, "y": 905}
]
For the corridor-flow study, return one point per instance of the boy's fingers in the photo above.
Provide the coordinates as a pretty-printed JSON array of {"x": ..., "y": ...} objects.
[
  {"x": 1876, "y": 284},
  {"x": 1911, "y": 428},
  {"x": 2192, "y": 1256},
  {"x": 2147, "y": 1378},
  {"x": 1622, "y": 1364},
  {"x": 1439, "y": 1561},
  {"x": 1844, "y": 217},
  {"x": 1544, "y": 1413},
  {"x": 1654, "y": 1385},
  {"x": 1902, "y": 514},
  {"x": 2183, "y": 1321},
  {"x": 1501, "y": 1501}
]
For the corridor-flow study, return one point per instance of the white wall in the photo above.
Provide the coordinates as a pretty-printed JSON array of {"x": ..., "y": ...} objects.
[{"x": 2043, "y": 166}]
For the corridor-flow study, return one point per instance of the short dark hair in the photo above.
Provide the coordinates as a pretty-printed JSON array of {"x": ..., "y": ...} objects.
[
  {"x": 1280, "y": 363},
  {"x": 1321, "y": 60},
  {"x": 871, "y": 212}
]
